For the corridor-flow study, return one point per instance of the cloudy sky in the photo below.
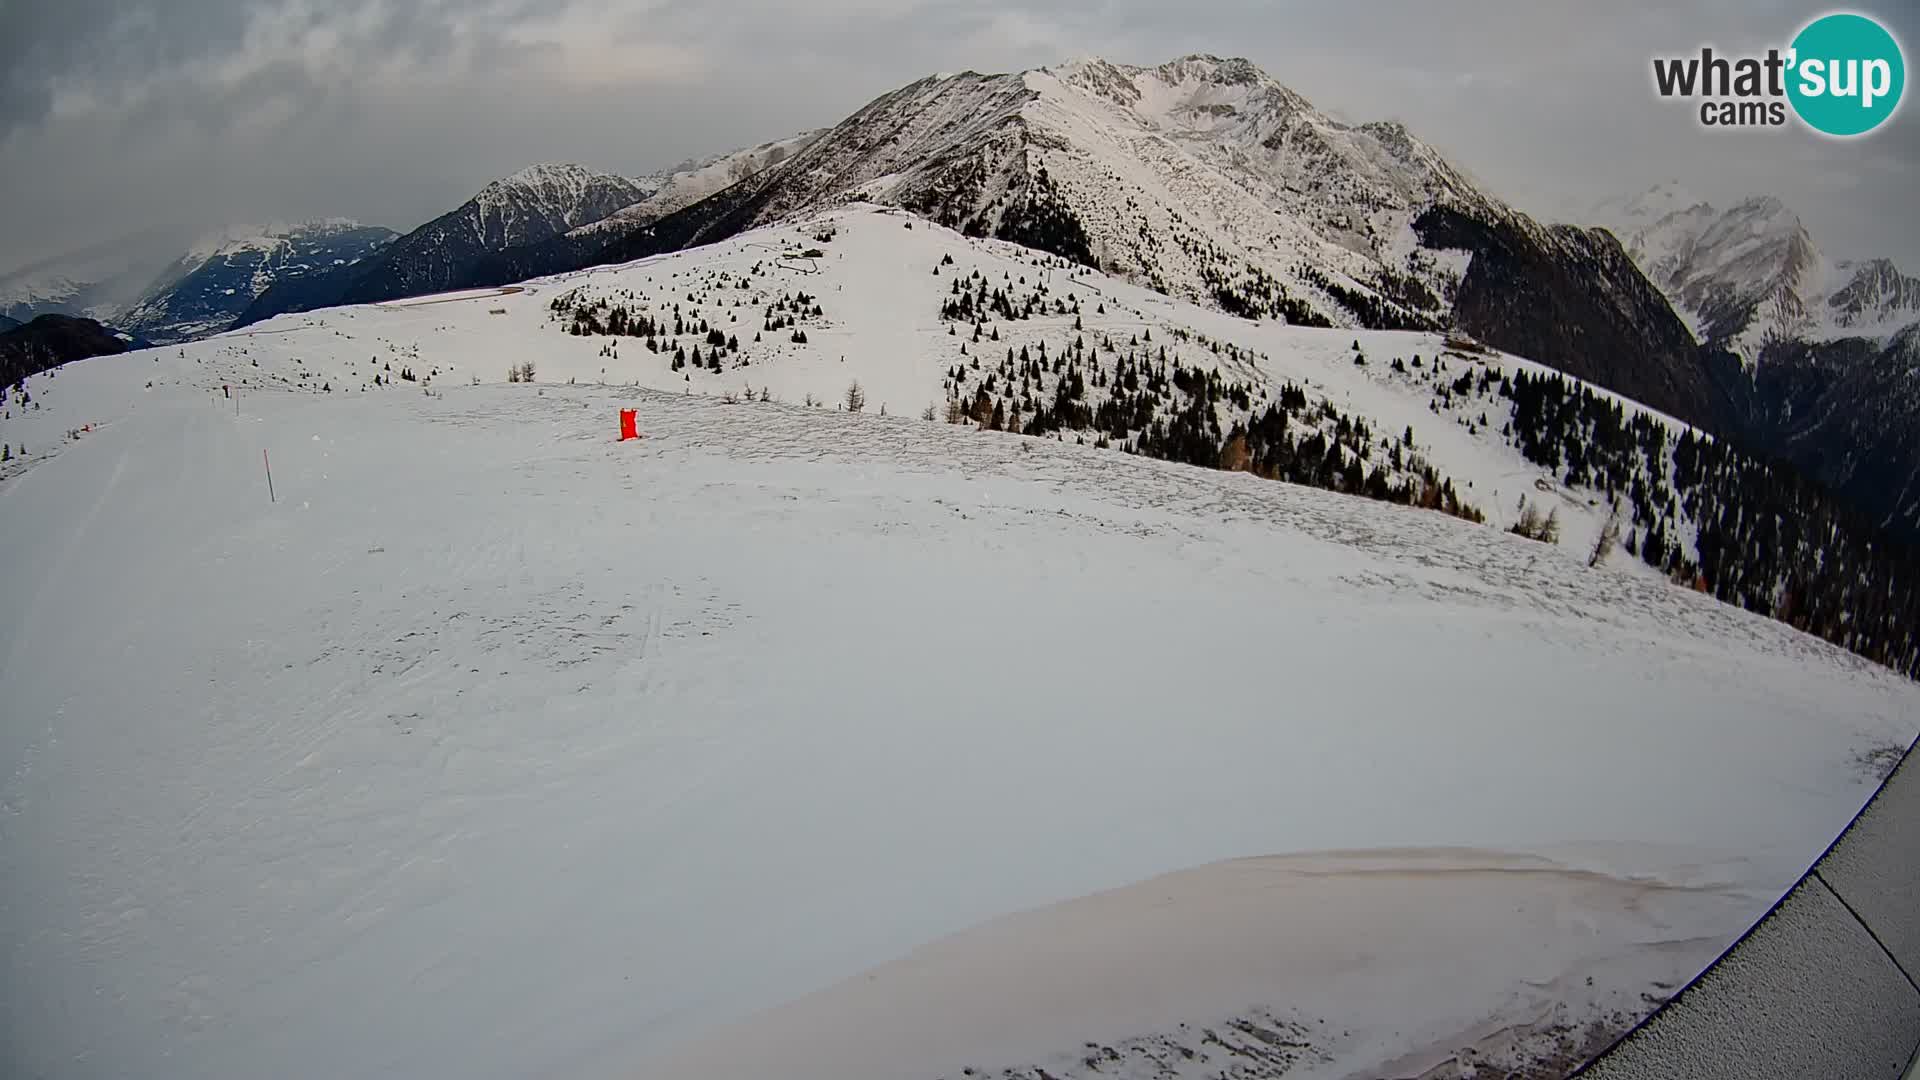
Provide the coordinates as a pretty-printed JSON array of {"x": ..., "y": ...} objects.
[{"x": 121, "y": 114}]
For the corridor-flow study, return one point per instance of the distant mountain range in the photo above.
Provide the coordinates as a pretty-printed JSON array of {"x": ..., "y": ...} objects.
[
  {"x": 535, "y": 205},
  {"x": 1750, "y": 276},
  {"x": 197, "y": 288},
  {"x": 204, "y": 291},
  {"x": 166, "y": 286}
]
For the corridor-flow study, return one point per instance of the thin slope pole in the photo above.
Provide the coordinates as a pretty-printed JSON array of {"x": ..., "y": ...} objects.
[{"x": 269, "y": 466}]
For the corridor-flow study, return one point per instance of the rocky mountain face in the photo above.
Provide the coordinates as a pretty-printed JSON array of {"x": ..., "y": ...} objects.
[
  {"x": 206, "y": 289},
  {"x": 1751, "y": 276},
  {"x": 687, "y": 183},
  {"x": 537, "y": 203},
  {"x": 1816, "y": 358},
  {"x": 1571, "y": 298}
]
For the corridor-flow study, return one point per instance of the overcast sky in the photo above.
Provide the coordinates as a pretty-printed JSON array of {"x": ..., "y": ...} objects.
[{"x": 121, "y": 114}]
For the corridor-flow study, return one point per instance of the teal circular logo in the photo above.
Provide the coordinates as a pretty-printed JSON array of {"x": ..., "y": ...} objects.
[{"x": 1847, "y": 74}]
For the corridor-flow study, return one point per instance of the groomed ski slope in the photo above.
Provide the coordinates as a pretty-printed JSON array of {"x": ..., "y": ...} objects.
[{"x": 497, "y": 748}]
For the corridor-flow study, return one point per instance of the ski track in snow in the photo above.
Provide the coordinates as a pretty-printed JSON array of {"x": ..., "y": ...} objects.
[{"x": 498, "y": 748}]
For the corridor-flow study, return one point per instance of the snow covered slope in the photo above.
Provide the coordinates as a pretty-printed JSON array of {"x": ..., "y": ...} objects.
[{"x": 493, "y": 747}]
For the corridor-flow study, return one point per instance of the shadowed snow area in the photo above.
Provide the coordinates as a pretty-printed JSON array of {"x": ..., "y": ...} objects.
[
  {"x": 498, "y": 748},
  {"x": 1398, "y": 963}
]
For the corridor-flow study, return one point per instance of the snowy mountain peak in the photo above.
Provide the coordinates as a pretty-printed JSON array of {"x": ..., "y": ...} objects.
[
  {"x": 1629, "y": 213},
  {"x": 560, "y": 184},
  {"x": 1193, "y": 93},
  {"x": 1751, "y": 275},
  {"x": 549, "y": 174},
  {"x": 1875, "y": 293},
  {"x": 236, "y": 239}
]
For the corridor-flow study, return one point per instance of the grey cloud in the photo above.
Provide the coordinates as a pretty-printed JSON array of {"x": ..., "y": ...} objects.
[{"x": 199, "y": 115}]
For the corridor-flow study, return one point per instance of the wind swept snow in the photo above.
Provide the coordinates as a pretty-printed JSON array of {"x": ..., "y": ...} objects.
[{"x": 497, "y": 748}]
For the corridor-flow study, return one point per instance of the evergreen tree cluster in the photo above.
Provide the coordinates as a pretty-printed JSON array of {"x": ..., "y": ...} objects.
[
  {"x": 709, "y": 346},
  {"x": 975, "y": 299},
  {"x": 1256, "y": 294},
  {"x": 1043, "y": 220},
  {"x": 1373, "y": 311},
  {"x": 1764, "y": 537},
  {"x": 1146, "y": 399},
  {"x": 786, "y": 313}
]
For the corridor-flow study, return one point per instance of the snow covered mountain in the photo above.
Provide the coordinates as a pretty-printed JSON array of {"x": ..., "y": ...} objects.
[
  {"x": 1207, "y": 180},
  {"x": 689, "y": 182},
  {"x": 1751, "y": 276},
  {"x": 207, "y": 288},
  {"x": 785, "y": 694},
  {"x": 536, "y": 203},
  {"x": 1825, "y": 374}
]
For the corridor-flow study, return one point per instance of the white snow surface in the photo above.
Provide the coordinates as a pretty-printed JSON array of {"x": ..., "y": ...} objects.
[{"x": 495, "y": 747}]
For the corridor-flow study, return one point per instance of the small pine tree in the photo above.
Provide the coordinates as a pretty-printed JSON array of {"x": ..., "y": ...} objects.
[{"x": 856, "y": 398}]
